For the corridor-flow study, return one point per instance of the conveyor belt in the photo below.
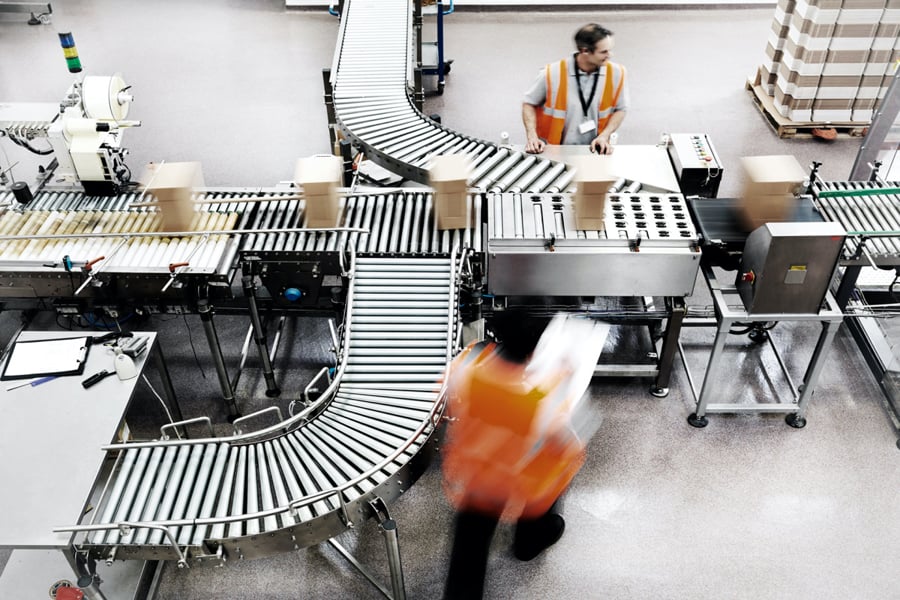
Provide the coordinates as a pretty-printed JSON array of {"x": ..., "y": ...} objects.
[
  {"x": 310, "y": 478},
  {"x": 370, "y": 81}
]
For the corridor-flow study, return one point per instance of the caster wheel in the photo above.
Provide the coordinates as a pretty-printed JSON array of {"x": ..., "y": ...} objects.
[
  {"x": 273, "y": 393},
  {"x": 659, "y": 392},
  {"x": 440, "y": 88},
  {"x": 698, "y": 422},
  {"x": 234, "y": 417},
  {"x": 795, "y": 421},
  {"x": 898, "y": 444},
  {"x": 758, "y": 335}
]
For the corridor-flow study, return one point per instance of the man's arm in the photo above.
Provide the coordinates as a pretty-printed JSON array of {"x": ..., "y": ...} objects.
[
  {"x": 533, "y": 144},
  {"x": 600, "y": 144}
]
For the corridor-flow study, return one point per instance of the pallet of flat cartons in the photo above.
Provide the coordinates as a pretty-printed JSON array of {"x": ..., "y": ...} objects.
[{"x": 788, "y": 129}]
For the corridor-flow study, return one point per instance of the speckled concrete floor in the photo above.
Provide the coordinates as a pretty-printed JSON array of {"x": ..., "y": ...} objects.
[{"x": 746, "y": 508}]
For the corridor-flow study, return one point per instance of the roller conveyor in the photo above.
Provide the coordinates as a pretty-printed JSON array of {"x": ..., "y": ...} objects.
[
  {"x": 866, "y": 209},
  {"x": 73, "y": 237},
  {"x": 309, "y": 478},
  {"x": 370, "y": 82}
]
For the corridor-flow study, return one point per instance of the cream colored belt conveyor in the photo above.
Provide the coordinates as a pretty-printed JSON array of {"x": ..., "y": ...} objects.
[
  {"x": 370, "y": 88},
  {"x": 311, "y": 477}
]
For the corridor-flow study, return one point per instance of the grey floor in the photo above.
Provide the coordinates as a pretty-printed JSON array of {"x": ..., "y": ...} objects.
[{"x": 746, "y": 508}]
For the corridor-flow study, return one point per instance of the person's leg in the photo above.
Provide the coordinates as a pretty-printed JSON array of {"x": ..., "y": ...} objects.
[
  {"x": 472, "y": 537},
  {"x": 533, "y": 536}
]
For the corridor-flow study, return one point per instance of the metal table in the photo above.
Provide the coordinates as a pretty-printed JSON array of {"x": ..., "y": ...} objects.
[
  {"x": 729, "y": 311},
  {"x": 50, "y": 443}
]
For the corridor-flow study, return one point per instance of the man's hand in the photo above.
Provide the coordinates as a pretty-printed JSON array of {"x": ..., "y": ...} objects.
[
  {"x": 534, "y": 145},
  {"x": 601, "y": 145}
]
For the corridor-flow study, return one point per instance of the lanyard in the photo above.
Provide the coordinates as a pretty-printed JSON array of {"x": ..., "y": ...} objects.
[{"x": 586, "y": 103}]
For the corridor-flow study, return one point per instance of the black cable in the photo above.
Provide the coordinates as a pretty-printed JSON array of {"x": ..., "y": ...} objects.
[
  {"x": 193, "y": 349},
  {"x": 29, "y": 147}
]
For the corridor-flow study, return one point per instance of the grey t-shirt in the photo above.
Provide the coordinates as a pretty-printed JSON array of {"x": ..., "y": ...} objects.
[{"x": 537, "y": 94}]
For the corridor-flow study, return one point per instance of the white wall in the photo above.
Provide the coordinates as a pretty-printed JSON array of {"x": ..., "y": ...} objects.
[{"x": 535, "y": 3}]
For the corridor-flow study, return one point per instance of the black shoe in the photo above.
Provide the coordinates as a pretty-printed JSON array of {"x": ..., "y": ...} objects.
[{"x": 538, "y": 536}]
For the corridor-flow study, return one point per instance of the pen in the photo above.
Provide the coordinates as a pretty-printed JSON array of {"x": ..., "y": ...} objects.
[{"x": 34, "y": 383}]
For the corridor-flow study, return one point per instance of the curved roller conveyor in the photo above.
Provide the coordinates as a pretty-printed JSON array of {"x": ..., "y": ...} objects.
[
  {"x": 370, "y": 90},
  {"x": 309, "y": 478}
]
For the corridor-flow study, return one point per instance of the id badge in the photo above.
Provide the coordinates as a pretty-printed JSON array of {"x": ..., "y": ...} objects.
[{"x": 587, "y": 127}]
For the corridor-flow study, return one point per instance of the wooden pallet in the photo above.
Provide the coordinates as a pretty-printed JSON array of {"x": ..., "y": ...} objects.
[{"x": 785, "y": 128}]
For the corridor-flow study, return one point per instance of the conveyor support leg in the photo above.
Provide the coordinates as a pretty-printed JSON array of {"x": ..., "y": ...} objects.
[
  {"x": 259, "y": 337},
  {"x": 206, "y": 316}
]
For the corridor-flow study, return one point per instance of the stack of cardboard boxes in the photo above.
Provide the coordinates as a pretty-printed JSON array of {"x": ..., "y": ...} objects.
[
  {"x": 172, "y": 185},
  {"x": 449, "y": 177},
  {"x": 770, "y": 188},
  {"x": 831, "y": 60},
  {"x": 593, "y": 177},
  {"x": 319, "y": 177}
]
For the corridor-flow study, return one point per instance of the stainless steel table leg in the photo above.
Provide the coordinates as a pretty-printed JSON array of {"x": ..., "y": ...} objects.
[
  {"x": 823, "y": 344},
  {"x": 698, "y": 419}
]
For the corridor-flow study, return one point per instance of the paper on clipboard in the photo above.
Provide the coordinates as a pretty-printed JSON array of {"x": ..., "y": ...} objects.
[{"x": 36, "y": 358}]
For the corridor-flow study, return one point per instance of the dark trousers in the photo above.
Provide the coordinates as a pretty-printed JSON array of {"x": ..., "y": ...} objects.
[{"x": 472, "y": 535}]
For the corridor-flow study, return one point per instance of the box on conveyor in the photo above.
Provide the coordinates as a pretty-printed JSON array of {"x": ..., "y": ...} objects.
[
  {"x": 449, "y": 177},
  {"x": 594, "y": 174},
  {"x": 172, "y": 185},
  {"x": 770, "y": 187},
  {"x": 319, "y": 177}
]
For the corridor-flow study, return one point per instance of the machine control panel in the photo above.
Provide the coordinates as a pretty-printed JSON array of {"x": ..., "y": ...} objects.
[{"x": 696, "y": 164}]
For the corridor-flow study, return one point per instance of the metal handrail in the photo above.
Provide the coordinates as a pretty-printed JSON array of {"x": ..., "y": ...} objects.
[
  {"x": 301, "y": 416},
  {"x": 162, "y": 430},
  {"x": 234, "y": 425}
]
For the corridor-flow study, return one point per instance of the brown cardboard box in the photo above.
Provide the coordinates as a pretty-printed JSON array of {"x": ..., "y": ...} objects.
[
  {"x": 449, "y": 173},
  {"x": 765, "y": 175},
  {"x": 322, "y": 210},
  {"x": 319, "y": 176},
  {"x": 593, "y": 176},
  {"x": 589, "y": 210},
  {"x": 451, "y": 210},
  {"x": 172, "y": 185},
  {"x": 756, "y": 211},
  {"x": 449, "y": 177}
]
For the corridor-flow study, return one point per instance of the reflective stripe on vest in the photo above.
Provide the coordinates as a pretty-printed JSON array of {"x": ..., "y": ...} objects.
[{"x": 551, "y": 117}]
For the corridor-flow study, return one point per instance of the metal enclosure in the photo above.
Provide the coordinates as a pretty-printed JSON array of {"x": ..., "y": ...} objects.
[
  {"x": 648, "y": 247},
  {"x": 787, "y": 267}
]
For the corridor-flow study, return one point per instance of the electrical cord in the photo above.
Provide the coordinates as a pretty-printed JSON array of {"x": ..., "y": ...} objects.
[
  {"x": 162, "y": 403},
  {"x": 193, "y": 349}
]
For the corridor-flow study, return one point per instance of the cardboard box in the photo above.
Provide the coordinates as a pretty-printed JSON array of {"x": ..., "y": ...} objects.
[
  {"x": 756, "y": 211},
  {"x": 589, "y": 211},
  {"x": 172, "y": 185},
  {"x": 319, "y": 177},
  {"x": 322, "y": 210},
  {"x": 593, "y": 177},
  {"x": 449, "y": 173},
  {"x": 449, "y": 176},
  {"x": 451, "y": 210},
  {"x": 767, "y": 175}
]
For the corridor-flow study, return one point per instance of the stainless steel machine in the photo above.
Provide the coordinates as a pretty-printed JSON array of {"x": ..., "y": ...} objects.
[{"x": 787, "y": 267}]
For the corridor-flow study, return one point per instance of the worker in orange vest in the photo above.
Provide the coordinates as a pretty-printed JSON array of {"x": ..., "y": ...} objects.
[
  {"x": 578, "y": 100},
  {"x": 510, "y": 452}
]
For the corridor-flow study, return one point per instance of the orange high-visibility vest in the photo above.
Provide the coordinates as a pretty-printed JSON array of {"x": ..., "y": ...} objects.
[
  {"x": 496, "y": 459},
  {"x": 551, "y": 117}
]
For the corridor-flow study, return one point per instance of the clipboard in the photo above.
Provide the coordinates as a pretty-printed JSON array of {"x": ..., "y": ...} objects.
[{"x": 40, "y": 358}]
